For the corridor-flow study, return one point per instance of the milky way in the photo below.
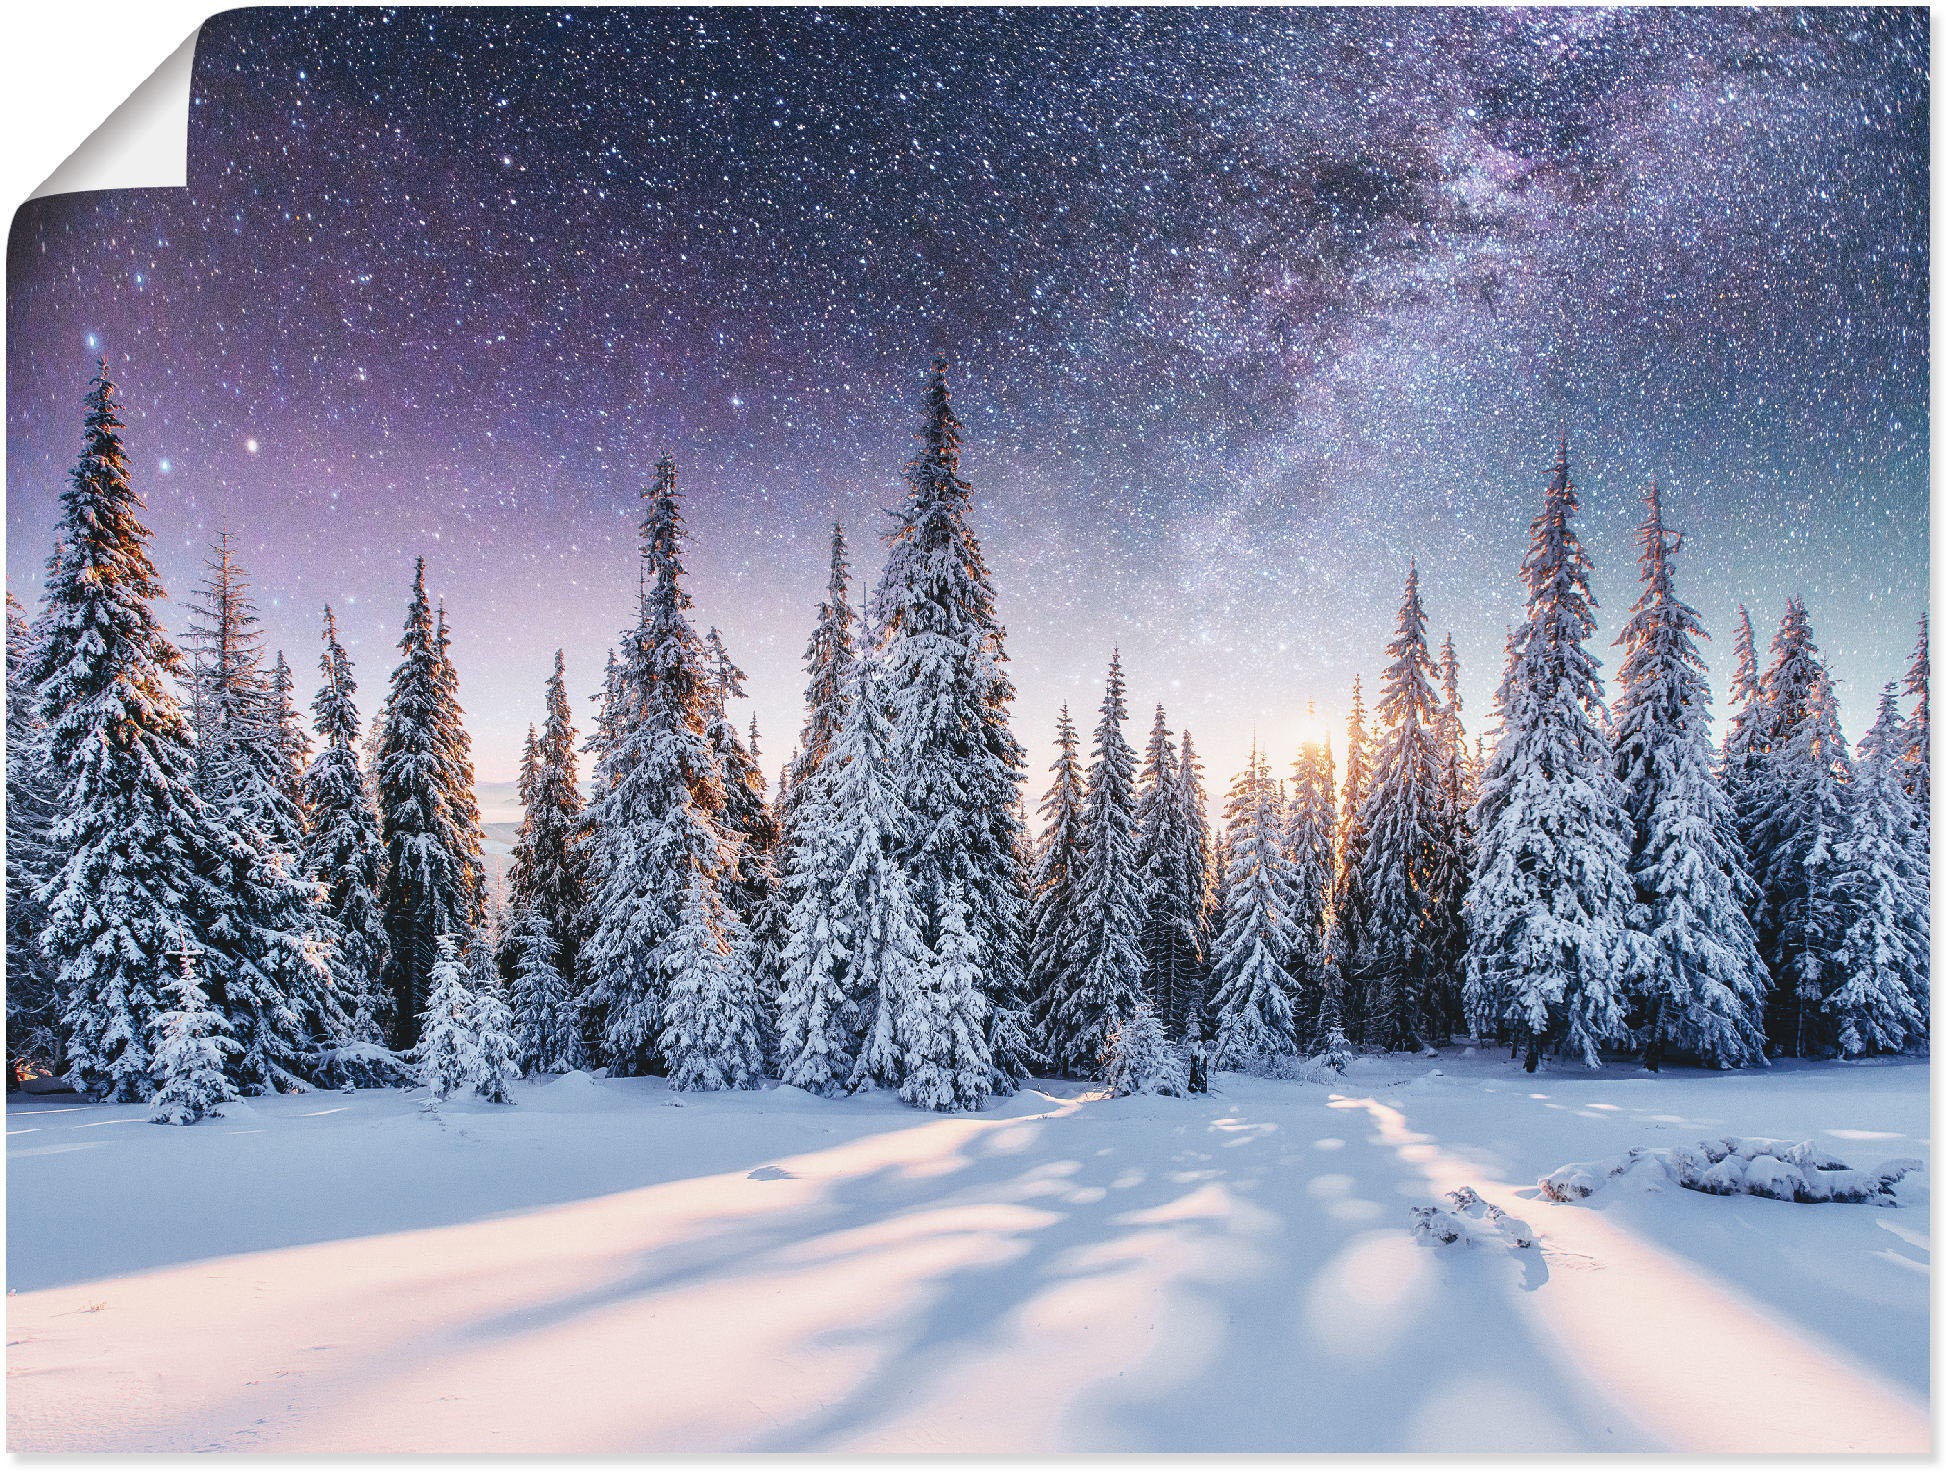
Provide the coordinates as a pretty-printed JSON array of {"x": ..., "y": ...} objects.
[{"x": 1247, "y": 309}]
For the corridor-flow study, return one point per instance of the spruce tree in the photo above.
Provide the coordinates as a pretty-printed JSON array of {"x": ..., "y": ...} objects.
[
  {"x": 1174, "y": 878},
  {"x": 546, "y": 1022},
  {"x": 747, "y": 819},
  {"x": 33, "y": 1007},
  {"x": 1407, "y": 845},
  {"x": 492, "y": 1025},
  {"x": 134, "y": 845},
  {"x": 1697, "y": 983},
  {"x": 549, "y": 870},
  {"x": 343, "y": 851},
  {"x": 1107, "y": 976},
  {"x": 1915, "y": 752},
  {"x": 946, "y": 682},
  {"x": 1548, "y": 939},
  {"x": 1310, "y": 828},
  {"x": 1452, "y": 850},
  {"x": 827, "y": 661},
  {"x": 1253, "y": 1019},
  {"x": 1140, "y": 1058},
  {"x": 662, "y": 942},
  {"x": 1052, "y": 945},
  {"x": 853, "y": 960},
  {"x": 191, "y": 1047},
  {"x": 1879, "y": 1001},
  {"x": 453, "y": 763},
  {"x": 429, "y": 883},
  {"x": 291, "y": 748},
  {"x": 1199, "y": 885},
  {"x": 948, "y": 1066},
  {"x": 448, "y": 1051},
  {"x": 1350, "y": 905},
  {"x": 1746, "y": 740},
  {"x": 1800, "y": 819}
]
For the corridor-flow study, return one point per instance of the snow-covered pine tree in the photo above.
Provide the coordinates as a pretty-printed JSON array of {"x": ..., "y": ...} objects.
[
  {"x": 269, "y": 944},
  {"x": 546, "y": 1022},
  {"x": 192, "y": 1041},
  {"x": 453, "y": 757},
  {"x": 827, "y": 661},
  {"x": 943, "y": 1029},
  {"x": 1548, "y": 941},
  {"x": 1174, "y": 878},
  {"x": 33, "y": 1008},
  {"x": 1199, "y": 882},
  {"x": 343, "y": 852},
  {"x": 1746, "y": 740},
  {"x": 549, "y": 870},
  {"x": 944, "y": 676},
  {"x": 1453, "y": 850},
  {"x": 658, "y": 857},
  {"x": 1801, "y": 816},
  {"x": 448, "y": 1050},
  {"x": 1106, "y": 979},
  {"x": 747, "y": 819},
  {"x": 1310, "y": 828},
  {"x": 1140, "y": 1059},
  {"x": 1879, "y": 1003},
  {"x": 1252, "y": 1018},
  {"x": 291, "y": 747},
  {"x": 134, "y": 844},
  {"x": 1915, "y": 754},
  {"x": 853, "y": 959},
  {"x": 1697, "y": 984},
  {"x": 1052, "y": 942},
  {"x": 1407, "y": 851},
  {"x": 1350, "y": 906},
  {"x": 428, "y": 889},
  {"x": 491, "y": 1022}
]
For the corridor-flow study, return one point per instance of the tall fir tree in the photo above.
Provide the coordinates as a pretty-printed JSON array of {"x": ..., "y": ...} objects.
[
  {"x": 193, "y": 1043},
  {"x": 1548, "y": 939},
  {"x": 1800, "y": 819},
  {"x": 948, "y": 1065},
  {"x": 1052, "y": 944},
  {"x": 453, "y": 753},
  {"x": 1453, "y": 848},
  {"x": 1174, "y": 878},
  {"x": 1746, "y": 738},
  {"x": 1253, "y": 1019},
  {"x": 33, "y": 1005},
  {"x": 1349, "y": 904},
  {"x": 747, "y": 818},
  {"x": 1407, "y": 854},
  {"x": 291, "y": 747},
  {"x": 546, "y": 1022},
  {"x": 1915, "y": 754},
  {"x": 549, "y": 869},
  {"x": 662, "y": 943},
  {"x": 1879, "y": 1001},
  {"x": 344, "y": 852},
  {"x": 1199, "y": 882},
  {"x": 134, "y": 845},
  {"x": 1107, "y": 978},
  {"x": 945, "y": 678},
  {"x": 1697, "y": 983},
  {"x": 854, "y": 960},
  {"x": 429, "y": 886},
  {"x": 1310, "y": 830},
  {"x": 827, "y": 662}
]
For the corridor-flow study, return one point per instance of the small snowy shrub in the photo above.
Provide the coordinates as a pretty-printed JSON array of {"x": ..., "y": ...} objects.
[
  {"x": 1471, "y": 1220},
  {"x": 188, "y": 1062},
  {"x": 1140, "y": 1060},
  {"x": 1803, "y": 1172}
]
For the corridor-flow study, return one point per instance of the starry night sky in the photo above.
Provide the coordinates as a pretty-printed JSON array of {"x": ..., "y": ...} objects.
[{"x": 1246, "y": 307}]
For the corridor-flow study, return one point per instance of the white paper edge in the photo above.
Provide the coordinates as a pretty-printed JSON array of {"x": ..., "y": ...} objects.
[{"x": 144, "y": 144}]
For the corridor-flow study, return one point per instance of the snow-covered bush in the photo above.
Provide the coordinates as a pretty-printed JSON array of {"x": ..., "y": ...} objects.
[
  {"x": 188, "y": 1063},
  {"x": 1733, "y": 1166},
  {"x": 1471, "y": 1220},
  {"x": 1139, "y": 1058}
]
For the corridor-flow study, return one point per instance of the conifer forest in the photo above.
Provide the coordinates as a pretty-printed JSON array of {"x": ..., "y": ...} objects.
[
  {"x": 997, "y": 731},
  {"x": 210, "y": 897}
]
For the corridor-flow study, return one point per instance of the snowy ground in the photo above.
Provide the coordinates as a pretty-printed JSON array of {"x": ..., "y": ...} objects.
[{"x": 611, "y": 1268}]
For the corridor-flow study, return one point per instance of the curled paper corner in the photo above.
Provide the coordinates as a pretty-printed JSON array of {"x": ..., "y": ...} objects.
[{"x": 144, "y": 144}]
